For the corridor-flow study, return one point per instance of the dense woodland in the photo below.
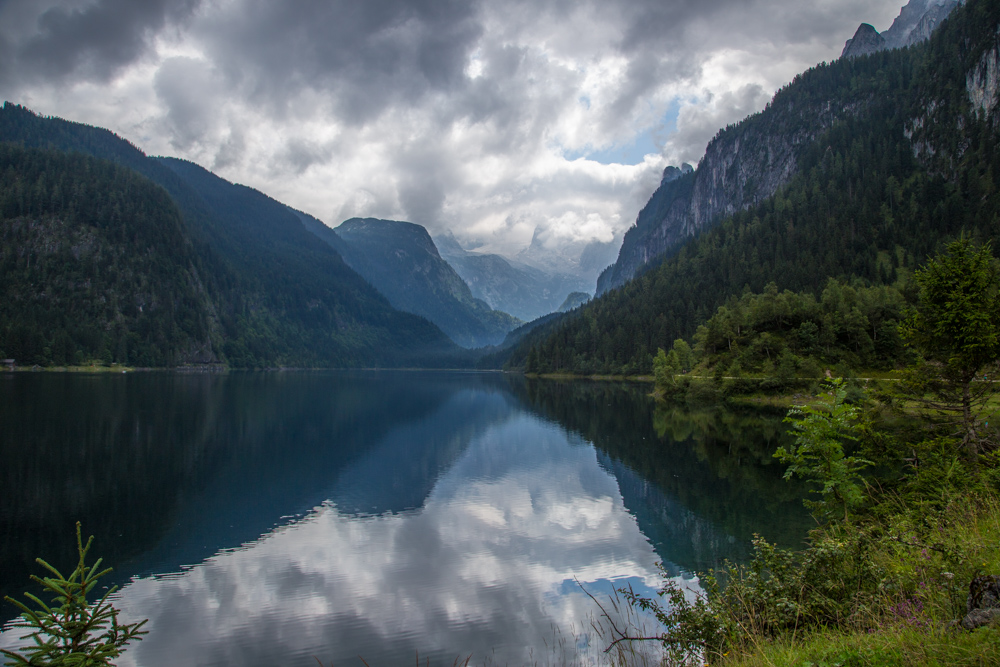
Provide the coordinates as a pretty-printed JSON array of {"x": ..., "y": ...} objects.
[
  {"x": 779, "y": 341},
  {"x": 873, "y": 198},
  {"x": 95, "y": 266}
]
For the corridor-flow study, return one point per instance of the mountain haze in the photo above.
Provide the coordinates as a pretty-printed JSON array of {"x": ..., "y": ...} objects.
[
  {"x": 523, "y": 291},
  {"x": 401, "y": 261}
]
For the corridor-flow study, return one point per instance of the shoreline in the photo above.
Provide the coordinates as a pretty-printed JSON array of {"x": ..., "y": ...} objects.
[{"x": 118, "y": 369}]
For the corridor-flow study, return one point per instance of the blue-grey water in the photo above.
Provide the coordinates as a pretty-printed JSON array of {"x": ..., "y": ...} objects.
[{"x": 285, "y": 518}]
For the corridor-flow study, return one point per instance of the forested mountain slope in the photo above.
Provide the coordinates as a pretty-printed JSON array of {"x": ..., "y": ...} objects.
[
  {"x": 916, "y": 164},
  {"x": 748, "y": 162},
  {"x": 282, "y": 297},
  {"x": 96, "y": 266},
  {"x": 305, "y": 281}
]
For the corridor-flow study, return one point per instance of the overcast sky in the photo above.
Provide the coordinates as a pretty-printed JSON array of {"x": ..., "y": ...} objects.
[{"x": 501, "y": 121}]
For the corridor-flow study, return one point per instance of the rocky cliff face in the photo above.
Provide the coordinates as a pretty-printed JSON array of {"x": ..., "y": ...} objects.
[
  {"x": 929, "y": 22},
  {"x": 866, "y": 40},
  {"x": 936, "y": 131},
  {"x": 982, "y": 83},
  {"x": 916, "y": 21},
  {"x": 743, "y": 165},
  {"x": 747, "y": 163}
]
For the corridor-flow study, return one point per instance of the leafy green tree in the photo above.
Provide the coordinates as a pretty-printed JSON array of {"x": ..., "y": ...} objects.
[
  {"x": 685, "y": 356},
  {"x": 665, "y": 367},
  {"x": 956, "y": 330},
  {"x": 785, "y": 371},
  {"x": 818, "y": 453},
  {"x": 72, "y": 631}
]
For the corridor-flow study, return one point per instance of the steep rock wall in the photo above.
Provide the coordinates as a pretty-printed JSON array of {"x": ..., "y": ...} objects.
[
  {"x": 743, "y": 165},
  {"x": 983, "y": 82}
]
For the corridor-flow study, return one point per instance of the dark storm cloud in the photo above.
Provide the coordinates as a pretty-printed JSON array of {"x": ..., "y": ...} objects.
[
  {"x": 426, "y": 171},
  {"x": 668, "y": 40},
  {"x": 422, "y": 198},
  {"x": 94, "y": 40},
  {"x": 300, "y": 154},
  {"x": 367, "y": 55},
  {"x": 384, "y": 56},
  {"x": 656, "y": 23}
]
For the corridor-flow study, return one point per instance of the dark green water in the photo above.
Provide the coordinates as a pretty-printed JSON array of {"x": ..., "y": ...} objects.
[{"x": 266, "y": 518}]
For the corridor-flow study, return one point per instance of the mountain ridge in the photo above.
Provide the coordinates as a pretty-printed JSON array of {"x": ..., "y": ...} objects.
[{"x": 402, "y": 262}]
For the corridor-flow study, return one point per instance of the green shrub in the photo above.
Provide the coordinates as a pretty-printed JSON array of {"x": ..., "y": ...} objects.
[
  {"x": 907, "y": 572},
  {"x": 818, "y": 454}
]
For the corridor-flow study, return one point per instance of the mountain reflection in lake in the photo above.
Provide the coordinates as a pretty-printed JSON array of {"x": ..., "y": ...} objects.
[{"x": 266, "y": 518}]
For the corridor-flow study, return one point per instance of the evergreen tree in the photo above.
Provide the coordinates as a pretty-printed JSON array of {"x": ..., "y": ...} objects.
[{"x": 955, "y": 328}]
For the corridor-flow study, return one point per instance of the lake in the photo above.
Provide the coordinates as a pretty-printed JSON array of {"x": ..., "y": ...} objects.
[{"x": 285, "y": 518}]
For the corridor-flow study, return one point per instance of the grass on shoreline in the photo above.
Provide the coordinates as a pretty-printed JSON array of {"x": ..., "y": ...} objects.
[
  {"x": 886, "y": 590},
  {"x": 894, "y": 647},
  {"x": 87, "y": 368},
  {"x": 928, "y": 558}
]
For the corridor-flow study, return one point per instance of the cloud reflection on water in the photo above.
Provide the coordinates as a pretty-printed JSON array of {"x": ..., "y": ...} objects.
[{"x": 483, "y": 567}]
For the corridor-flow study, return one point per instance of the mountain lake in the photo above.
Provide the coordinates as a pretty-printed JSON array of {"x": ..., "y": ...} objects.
[{"x": 377, "y": 517}]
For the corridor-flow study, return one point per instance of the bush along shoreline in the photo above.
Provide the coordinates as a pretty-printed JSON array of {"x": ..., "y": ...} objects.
[{"x": 903, "y": 567}]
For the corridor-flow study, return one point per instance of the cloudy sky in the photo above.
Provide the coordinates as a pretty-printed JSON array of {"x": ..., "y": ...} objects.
[{"x": 542, "y": 122}]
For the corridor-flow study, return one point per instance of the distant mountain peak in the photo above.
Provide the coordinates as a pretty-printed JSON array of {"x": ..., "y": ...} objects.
[
  {"x": 915, "y": 23},
  {"x": 866, "y": 40},
  {"x": 402, "y": 262},
  {"x": 448, "y": 245},
  {"x": 672, "y": 173},
  {"x": 411, "y": 231}
]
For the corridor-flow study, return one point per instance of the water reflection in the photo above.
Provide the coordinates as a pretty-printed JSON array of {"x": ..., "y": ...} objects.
[
  {"x": 701, "y": 481},
  {"x": 268, "y": 518},
  {"x": 484, "y": 567},
  {"x": 166, "y": 469}
]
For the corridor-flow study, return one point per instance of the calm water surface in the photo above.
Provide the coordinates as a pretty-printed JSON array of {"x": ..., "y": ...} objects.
[{"x": 267, "y": 518}]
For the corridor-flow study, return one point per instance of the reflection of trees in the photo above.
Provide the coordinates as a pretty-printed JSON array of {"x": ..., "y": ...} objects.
[
  {"x": 714, "y": 463},
  {"x": 737, "y": 447},
  {"x": 123, "y": 453},
  {"x": 99, "y": 450}
]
